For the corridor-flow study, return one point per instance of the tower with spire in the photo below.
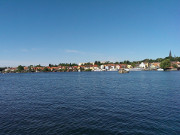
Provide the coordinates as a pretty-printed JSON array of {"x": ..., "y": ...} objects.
[{"x": 170, "y": 55}]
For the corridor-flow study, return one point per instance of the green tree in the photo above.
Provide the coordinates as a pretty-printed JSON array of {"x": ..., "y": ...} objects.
[
  {"x": 66, "y": 64},
  {"x": 45, "y": 69},
  {"x": 159, "y": 60},
  {"x": 133, "y": 65},
  {"x": 116, "y": 62},
  {"x": 175, "y": 66},
  {"x": 20, "y": 68},
  {"x": 39, "y": 70},
  {"x": 97, "y": 63},
  {"x": 65, "y": 70},
  {"x": 88, "y": 70},
  {"x": 38, "y": 65},
  {"x": 81, "y": 69},
  {"x": 30, "y": 68},
  {"x": 165, "y": 64}
]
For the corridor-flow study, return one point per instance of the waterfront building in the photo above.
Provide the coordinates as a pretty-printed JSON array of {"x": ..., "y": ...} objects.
[
  {"x": 118, "y": 67},
  {"x": 102, "y": 67},
  {"x": 12, "y": 69},
  {"x": 26, "y": 68},
  {"x": 129, "y": 66},
  {"x": 107, "y": 67},
  {"x": 142, "y": 65},
  {"x": 146, "y": 64},
  {"x": 155, "y": 65},
  {"x": 178, "y": 64},
  {"x": 123, "y": 65}
]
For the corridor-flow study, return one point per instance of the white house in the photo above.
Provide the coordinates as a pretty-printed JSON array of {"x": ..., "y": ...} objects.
[
  {"x": 102, "y": 67},
  {"x": 142, "y": 65},
  {"x": 107, "y": 67},
  {"x": 118, "y": 67}
]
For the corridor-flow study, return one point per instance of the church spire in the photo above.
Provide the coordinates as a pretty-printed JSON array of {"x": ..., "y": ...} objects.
[{"x": 170, "y": 55}]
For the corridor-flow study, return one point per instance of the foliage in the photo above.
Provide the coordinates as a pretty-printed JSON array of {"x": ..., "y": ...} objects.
[
  {"x": 20, "y": 68},
  {"x": 159, "y": 59},
  {"x": 116, "y": 62},
  {"x": 108, "y": 62},
  {"x": 87, "y": 64},
  {"x": 46, "y": 69},
  {"x": 127, "y": 62},
  {"x": 30, "y": 68},
  {"x": 38, "y": 65},
  {"x": 39, "y": 70},
  {"x": 88, "y": 70},
  {"x": 165, "y": 64},
  {"x": 133, "y": 65},
  {"x": 97, "y": 63},
  {"x": 81, "y": 69},
  {"x": 51, "y": 65},
  {"x": 68, "y": 64},
  {"x": 175, "y": 66},
  {"x": 65, "y": 70}
]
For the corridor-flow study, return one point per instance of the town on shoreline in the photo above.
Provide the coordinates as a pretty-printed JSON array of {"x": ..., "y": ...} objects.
[{"x": 160, "y": 64}]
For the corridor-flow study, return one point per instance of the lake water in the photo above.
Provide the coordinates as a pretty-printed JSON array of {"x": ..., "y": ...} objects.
[{"x": 90, "y": 103}]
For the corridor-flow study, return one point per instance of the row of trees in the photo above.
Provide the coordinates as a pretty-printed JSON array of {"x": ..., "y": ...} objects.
[
  {"x": 133, "y": 63},
  {"x": 63, "y": 64},
  {"x": 20, "y": 69},
  {"x": 165, "y": 63}
]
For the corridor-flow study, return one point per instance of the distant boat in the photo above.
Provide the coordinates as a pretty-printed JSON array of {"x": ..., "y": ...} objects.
[
  {"x": 113, "y": 70},
  {"x": 126, "y": 69},
  {"x": 160, "y": 69},
  {"x": 122, "y": 71},
  {"x": 97, "y": 70},
  {"x": 135, "y": 69}
]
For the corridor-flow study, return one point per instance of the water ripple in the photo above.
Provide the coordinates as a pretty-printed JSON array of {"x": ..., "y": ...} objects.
[{"x": 92, "y": 103}]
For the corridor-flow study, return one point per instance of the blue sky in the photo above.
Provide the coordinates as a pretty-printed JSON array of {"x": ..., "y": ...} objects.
[{"x": 56, "y": 31}]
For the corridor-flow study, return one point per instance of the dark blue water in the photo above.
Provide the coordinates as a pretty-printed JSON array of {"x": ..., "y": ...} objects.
[{"x": 90, "y": 103}]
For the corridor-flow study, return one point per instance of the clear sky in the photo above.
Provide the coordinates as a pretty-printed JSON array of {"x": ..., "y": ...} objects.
[{"x": 56, "y": 31}]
